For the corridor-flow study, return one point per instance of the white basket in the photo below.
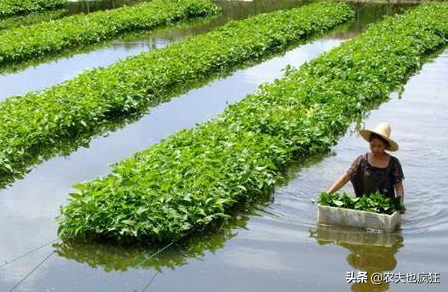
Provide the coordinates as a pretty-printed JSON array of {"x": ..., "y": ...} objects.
[{"x": 362, "y": 219}]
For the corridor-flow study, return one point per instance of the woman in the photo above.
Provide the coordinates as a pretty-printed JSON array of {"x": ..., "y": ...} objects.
[{"x": 377, "y": 170}]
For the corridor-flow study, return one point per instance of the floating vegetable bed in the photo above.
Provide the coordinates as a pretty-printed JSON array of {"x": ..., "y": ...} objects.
[
  {"x": 373, "y": 211},
  {"x": 33, "y": 18},
  {"x": 193, "y": 178},
  {"x": 79, "y": 107},
  {"x": 83, "y": 29},
  {"x": 12, "y": 7}
]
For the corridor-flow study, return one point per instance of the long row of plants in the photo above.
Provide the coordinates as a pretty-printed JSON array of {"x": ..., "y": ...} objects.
[
  {"x": 376, "y": 202},
  {"x": 32, "y": 18},
  {"x": 193, "y": 178},
  {"x": 188, "y": 26},
  {"x": 12, "y": 7},
  {"x": 80, "y": 106},
  {"x": 41, "y": 39}
]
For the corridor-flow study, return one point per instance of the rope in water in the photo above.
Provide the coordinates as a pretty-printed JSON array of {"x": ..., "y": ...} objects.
[
  {"x": 157, "y": 253},
  {"x": 150, "y": 282},
  {"x": 56, "y": 239},
  {"x": 27, "y": 253},
  {"x": 32, "y": 271}
]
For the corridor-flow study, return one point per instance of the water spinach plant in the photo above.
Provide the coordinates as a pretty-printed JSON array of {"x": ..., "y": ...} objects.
[
  {"x": 79, "y": 107},
  {"x": 376, "y": 202},
  {"x": 33, "y": 18},
  {"x": 13, "y": 7},
  {"x": 45, "y": 38},
  {"x": 194, "y": 177}
]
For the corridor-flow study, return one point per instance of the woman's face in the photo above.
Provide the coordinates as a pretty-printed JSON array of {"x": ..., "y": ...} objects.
[{"x": 377, "y": 146}]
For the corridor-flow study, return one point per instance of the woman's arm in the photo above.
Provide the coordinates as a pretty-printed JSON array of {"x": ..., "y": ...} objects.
[
  {"x": 399, "y": 190},
  {"x": 339, "y": 183},
  {"x": 343, "y": 179}
]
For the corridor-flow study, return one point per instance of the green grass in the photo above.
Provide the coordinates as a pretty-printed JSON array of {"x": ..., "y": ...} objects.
[
  {"x": 194, "y": 177},
  {"x": 34, "y": 41},
  {"x": 79, "y": 107}
]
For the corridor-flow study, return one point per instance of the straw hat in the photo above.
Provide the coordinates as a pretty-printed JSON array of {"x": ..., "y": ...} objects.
[{"x": 382, "y": 130}]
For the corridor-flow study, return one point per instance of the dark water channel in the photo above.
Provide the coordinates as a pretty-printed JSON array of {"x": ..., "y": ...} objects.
[{"x": 274, "y": 246}]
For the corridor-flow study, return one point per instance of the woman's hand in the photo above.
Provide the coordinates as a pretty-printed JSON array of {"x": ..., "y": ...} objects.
[{"x": 339, "y": 183}]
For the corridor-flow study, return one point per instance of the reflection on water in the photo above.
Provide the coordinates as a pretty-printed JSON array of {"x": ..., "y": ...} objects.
[
  {"x": 270, "y": 251},
  {"x": 50, "y": 70},
  {"x": 111, "y": 257},
  {"x": 371, "y": 252},
  {"x": 29, "y": 205},
  {"x": 367, "y": 13},
  {"x": 420, "y": 111},
  {"x": 37, "y": 74},
  {"x": 20, "y": 78},
  {"x": 63, "y": 147},
  {"x": 72, "y": 61},
  {"x": 49, "y": 74}
]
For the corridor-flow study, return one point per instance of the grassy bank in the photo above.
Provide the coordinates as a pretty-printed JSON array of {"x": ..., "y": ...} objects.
[
  {"x": 23, "y": 43},
  {"x": 80, "y": 106},
  {"x": 193, "y": 178}
]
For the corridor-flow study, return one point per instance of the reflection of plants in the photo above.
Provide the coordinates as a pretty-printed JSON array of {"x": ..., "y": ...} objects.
[
  {"x": 372, "y": 259},
  {"x": 375, "y": 202},
  {"x": 369, "y": 252},
  {"x": 113, "y": 257},
  {"x": 194, "y": 177}
]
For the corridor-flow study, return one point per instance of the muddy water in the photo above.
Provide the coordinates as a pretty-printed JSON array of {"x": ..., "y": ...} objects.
[{"x": 274, "y": 246}]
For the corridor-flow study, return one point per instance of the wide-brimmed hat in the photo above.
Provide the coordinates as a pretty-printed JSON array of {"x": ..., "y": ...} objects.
[{"x": 383, "y": 130}]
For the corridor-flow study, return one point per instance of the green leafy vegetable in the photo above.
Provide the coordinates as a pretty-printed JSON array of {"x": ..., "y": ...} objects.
[
  {"x": 33, "y": 18},
  {"x": 12, "y": 7},
  {"x": 194, "y": 177},
  {"x": 79, "y": 30},
  {"x": 78, "y": 107},
  {"x": 375, "y": 202}
]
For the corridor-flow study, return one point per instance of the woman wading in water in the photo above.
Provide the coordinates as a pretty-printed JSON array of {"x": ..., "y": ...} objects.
[{"x": 377, "y": 170}]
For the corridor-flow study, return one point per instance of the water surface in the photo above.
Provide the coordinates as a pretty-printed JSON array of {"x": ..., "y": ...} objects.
[{"x": 272, "y": 246}]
